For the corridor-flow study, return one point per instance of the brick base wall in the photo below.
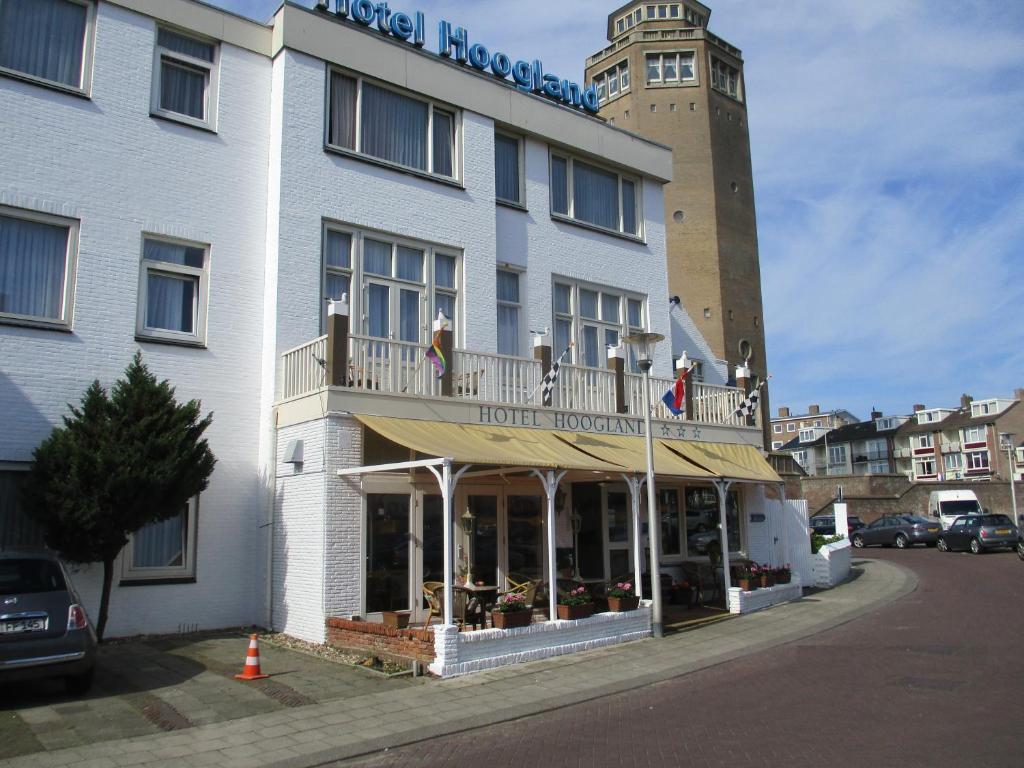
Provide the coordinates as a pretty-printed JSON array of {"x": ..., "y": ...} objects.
[{"x": 398, "y": 645}]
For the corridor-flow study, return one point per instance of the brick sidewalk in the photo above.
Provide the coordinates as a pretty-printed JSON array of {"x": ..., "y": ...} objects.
[{"x": 369, "y": 722}]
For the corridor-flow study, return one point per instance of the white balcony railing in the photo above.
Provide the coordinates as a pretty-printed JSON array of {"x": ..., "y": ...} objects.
[
  {"x": 385, "y": 365},
  {"x": 496, "y": 378},
  {"x": 635, "y": 396},
  {"x": 717, "y": 405},
  {"x": 300, "y": 370},
  {"x": 585, "y": 389}
]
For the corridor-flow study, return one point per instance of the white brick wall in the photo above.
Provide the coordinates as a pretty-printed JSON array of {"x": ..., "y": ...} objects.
[{"x": 106, "y": 162}]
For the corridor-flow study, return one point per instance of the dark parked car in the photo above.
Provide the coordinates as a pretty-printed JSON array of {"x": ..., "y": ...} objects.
[
  {"x": 979, "y": 533},
  {"x": 826, "y": 524},
  {"x": 898, "y": 530},
  {"x": 44, "y": 631}
]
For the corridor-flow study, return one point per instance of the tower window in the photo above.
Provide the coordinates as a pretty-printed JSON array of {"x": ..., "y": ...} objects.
[
  {"x": 725, "y": 78},
  {"x": 673, "y": 108},
  {"x": 707, "y": 313},
  {"x": 613, "y": 81},
  {"x": 671, "y": 67},
  {"x": 654, "y": 107}
]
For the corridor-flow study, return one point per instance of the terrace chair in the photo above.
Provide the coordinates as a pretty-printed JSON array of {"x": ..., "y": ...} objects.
[{"x": 433, "y": 593}]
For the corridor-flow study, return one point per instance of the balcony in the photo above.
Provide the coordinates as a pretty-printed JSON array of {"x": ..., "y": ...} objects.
[{"x": 388, "y": 368}]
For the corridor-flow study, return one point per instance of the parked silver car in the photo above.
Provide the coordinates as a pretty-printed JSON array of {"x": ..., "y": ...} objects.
[
  {"x": 898, "y": 530},
  {"x": 44, "y": 631},
  {"x": 979, "y": 533}
]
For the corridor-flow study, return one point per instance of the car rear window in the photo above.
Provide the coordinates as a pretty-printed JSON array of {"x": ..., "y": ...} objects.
[
  {"x": 917, "y": 519},
  {"x": 26, "y": 575},
  {"x": 995, "y": 520}
]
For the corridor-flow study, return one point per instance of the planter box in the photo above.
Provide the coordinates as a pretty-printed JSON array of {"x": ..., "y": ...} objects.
[
  {"x": 619, "y": 604},
  {"x": 747, "y": 585},
  {"x": 766, "y": 597},
  {"x": 511, "y": 619},
  {"x": 831, "y": 564},
  {"x": 573, "y": 612},
  {"x": 395, "y": 619}
]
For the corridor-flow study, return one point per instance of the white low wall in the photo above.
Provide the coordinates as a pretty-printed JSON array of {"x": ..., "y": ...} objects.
[
  {"x": 831, "y": 564},
  {"x": 765, "y": 597},
  {"x": 459, "y": 653}
]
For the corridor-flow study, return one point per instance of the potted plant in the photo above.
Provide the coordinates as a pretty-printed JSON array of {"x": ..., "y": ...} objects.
[
  {"x": 622, "y": 597},
  {"x": 783, "y": 574},
  {"x": 511, "y": 611},
  {"x": 766, "y": 576},
  {"x": 746, "y": 577},
  {"x": 578, "y": 604}
]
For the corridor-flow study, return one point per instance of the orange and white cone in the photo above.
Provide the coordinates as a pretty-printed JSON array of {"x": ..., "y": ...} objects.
[{"x": 252, "y": 662}]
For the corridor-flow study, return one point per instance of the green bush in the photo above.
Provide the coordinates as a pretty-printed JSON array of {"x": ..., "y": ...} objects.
[{"x": 818, "y": 541}]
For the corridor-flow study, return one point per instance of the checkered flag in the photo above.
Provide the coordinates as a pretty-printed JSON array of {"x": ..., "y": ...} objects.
[
  {"x": 749, "y": 406},
  {"x": 548, "y": 385}
]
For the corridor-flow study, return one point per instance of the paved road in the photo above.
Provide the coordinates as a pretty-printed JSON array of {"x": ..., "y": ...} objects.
[{"x": 934, "y": 680}]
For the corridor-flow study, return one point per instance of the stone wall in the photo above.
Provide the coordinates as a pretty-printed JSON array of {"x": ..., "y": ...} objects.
[{"x": 390, "y": 643}]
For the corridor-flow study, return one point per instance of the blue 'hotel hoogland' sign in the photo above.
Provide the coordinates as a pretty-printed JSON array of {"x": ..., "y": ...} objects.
[{"x": 453, "y": 43}]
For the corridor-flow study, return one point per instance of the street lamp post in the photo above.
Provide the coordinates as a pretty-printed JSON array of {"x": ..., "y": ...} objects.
[
  {"x": 644, "y": 344},
  {"x": 1006, "y": 438}
]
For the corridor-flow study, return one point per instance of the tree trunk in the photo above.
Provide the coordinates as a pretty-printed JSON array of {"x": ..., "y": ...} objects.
[{"x": 108, "y": 577}]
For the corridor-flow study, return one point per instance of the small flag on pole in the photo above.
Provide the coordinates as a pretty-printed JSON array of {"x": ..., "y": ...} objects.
[
  {"x": 675, "y": 398},
  {"x": 749, "y": 406},
  {"x": 548, "y": 385},
  {"x": 434, "y": 353}
]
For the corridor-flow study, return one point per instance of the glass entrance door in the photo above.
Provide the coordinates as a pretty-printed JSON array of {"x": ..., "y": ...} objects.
[
  {"x": 483, "y": 542},
  {"x": 525, "y": 537},
  {"x": 618, "y": 527},
  {"x": 387, "y": 552}
]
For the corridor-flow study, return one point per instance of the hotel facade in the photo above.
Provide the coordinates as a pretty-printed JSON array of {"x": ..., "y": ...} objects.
[{"x": 280, "y": 216}]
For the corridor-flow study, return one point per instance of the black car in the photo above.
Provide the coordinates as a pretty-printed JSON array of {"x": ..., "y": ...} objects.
[
  {"x": 44, "y": 631},
  {"x": 901, "y": 531},
  {"x": 825, "y": 525},
  {"x": 979, "y": 533}
]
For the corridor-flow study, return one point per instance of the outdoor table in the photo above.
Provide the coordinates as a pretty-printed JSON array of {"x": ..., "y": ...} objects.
[{"x": 476, "y": 602}]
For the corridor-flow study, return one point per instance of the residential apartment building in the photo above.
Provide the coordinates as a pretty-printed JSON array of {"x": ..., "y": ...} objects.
[
  {"x": 860, "y": 448},
  {"x": 787, "y": 426},
  {"x": 965, "y": 443},
  {"x": 204, "y": 182}
]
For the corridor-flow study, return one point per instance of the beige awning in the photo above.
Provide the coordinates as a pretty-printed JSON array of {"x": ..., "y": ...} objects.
[
  {"x": 632, "y": 452},
  {"x": 726, "y": 460},
  {"x": 485, "y": 444}
]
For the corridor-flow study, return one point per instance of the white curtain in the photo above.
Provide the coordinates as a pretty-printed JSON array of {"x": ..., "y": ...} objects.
[
  {"x": 444, "y": 271},
  {"x": 409, "y": 315},
  {"x": 508, "y": 313},
  {"x": 376, "y": 257},
  {"x": 595, "y": 195},
  {"x": 170, "y": 302},
  {"x": 394, "y": 127},
  {"x": 410, "y": 264},
  {"x": 342, "y": 129},
  {"x": 173, "y": 253},
  {"x": 591, "y": 350},
  {"x": 444, "y": 143},
  {"x": 337, "y": 284},
  {"x": 378, "y": 310},
  {"x": 338, "y": 249},
  {"x": 32, "y": 267},
  {"x": 183, "y": 89},
  {"x": 161, "y": 545},
  {"x": 44, "y": 38},
  {"x": 506, "y": 168},
  {"x": 446, "y": 303},
  {"x": 187, "y": 46},
  {"x": 559, "y": 180}
]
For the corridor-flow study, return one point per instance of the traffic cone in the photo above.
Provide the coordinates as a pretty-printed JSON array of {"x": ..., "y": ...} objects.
[{"x": 251, "y": 671}]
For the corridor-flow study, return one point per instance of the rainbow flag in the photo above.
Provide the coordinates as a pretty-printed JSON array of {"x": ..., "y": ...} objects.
[{"x": 436, "y": 356}]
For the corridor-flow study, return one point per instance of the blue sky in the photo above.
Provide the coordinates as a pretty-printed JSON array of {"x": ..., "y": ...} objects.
[{"x": 889, "y": 171}]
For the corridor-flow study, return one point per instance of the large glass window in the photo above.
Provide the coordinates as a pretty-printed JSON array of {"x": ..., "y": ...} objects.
[
  {"x": 507, "y": 168},
  {"x": 46, "y": 40},
  {"x": 671, "y": 67},
  {"x": 509, "y": 312},
  {"x": 372, "y": 120},
  {"x": 525, "y": 538},
  {"x": 173, "y": 290},
  {"x": 36, "y": 266},
  {"x": 671, "y": 530},
  {"x": 613, "y": 81},
  {"x": 725, "y": 78},
  {"x": 596, "y": 196},
  {"x": 400, "y": 284},
  {"x": 594, "y": 317},
  {"x": 703, "y": 538},
  {"x": 184, "y": 79},
  {"x": 164, "y": 550},
  {"x": 387, "y": 552}
]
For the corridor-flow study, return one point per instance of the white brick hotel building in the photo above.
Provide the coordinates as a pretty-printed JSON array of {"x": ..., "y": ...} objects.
[{"x": 183, "y": 181}]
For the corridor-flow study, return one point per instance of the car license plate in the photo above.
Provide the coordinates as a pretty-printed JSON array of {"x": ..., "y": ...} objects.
[
  {"x": 1002, "y": 531},
  {"x": 24, "y": 625},
  {"x": 933, "y": 530}
]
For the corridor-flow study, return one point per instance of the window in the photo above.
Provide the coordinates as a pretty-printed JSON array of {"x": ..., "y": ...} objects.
[
  {"x": 47, "y": 41},
  {"x": 776, "y": 444},
  {"x": 370, "y": 120},
  {"x": 595, "y": 317},
  {"x": 924, "y": 467},
  {"x": 817, "y": 422},
  {"x": 671, "y": 529},
  {"x": 508, "y": 174},
  {"x": 975, "y": 435},
  {"x": 977, "y": 461},
  {"x": 791, "y": 427},
  {"x": 670, "y": 67},
  {"x": 164, "y": 550},
  {"x": 37, "y": 267},
  {"x": 837, "y": 455},
  {"x": 612, "y": 82},
  {"x": 702, "y": 516},
  {"x": 595, "y": 196},
  {"x": 953, "y": 461},
  {"x": 16, "y": 529},
  {"x": 725, "y": 78},
  {"x": 878, "y": 467},
  {"x": 922, "y": 441},
  {"x": 777, "y": 428},
  {"x": 174, "y": 287},
  {"x": 400, "y": 284},
  {"x": 509, "y": 312},
  {"x": 184, "y": 79}
]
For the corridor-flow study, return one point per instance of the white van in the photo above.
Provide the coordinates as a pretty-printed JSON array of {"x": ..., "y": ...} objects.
[{"x": 947, "y": 506}]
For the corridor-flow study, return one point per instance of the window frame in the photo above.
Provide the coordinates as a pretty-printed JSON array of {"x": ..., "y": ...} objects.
[
  {"x": 677, "y": 81},
  {"x": 601, "y": 81},
  {"x": 64, "y": 323},
  {"x": 84, "y": 89},
  {"x": 521, "y": 170},
  {"x": 577, "y": 321},
  {"x": 968, "y": 431},
  {"x": 212, "y": 68},
  {"x": 456, "y": 179},
  {"x": 359, "y": 278},
  {"x": 715, "y": 78},
  {"x": 185, "y": 573},
  {"x": 202, "y": 298},
  {"x": 977, "y": 461},
  {"x": 518, "y": 305},
  {"x": 569, "y": 217}
]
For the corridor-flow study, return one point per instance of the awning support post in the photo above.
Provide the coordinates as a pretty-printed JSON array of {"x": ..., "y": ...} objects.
[
  {"x": 635, "y": 483},
  {"x": 550, "y": 481},
  {"x": 448, "y": 481},
  {"x": 722, "y": 486}
]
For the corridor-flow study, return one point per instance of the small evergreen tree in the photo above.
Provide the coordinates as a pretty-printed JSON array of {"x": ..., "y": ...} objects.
[{"x": 120, "y": 462}]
